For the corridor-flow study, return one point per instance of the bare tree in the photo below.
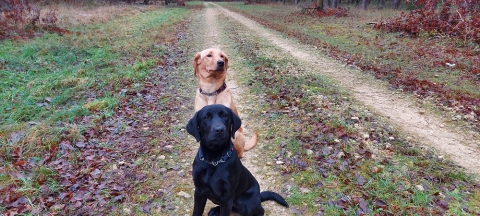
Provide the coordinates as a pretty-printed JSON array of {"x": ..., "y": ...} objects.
[
  {"x": 381, "y": 4},
  {"x": 319, "y": 5},
  {"x": 396, "y": 4},
  {"x": 364, "y": 4},
  {"x": 334, "y": 3}
]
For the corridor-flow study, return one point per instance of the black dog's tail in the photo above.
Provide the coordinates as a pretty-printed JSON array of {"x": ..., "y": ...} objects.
[{"x": 269, "y": 195}]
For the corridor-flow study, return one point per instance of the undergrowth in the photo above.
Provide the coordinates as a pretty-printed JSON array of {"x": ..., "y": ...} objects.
[
  {"x": 459, "y": 19},
  {"x": 21, "y": 20}
]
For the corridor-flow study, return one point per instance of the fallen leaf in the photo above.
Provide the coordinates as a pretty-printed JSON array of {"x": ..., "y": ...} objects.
[
  {"x": 118, "y": 187},
  {"x": 118, "y": 198},
  {"x": 77, "y": 204},
  {"x": 363, "y": 206},
  {"x": 379, "y": 203},
  {"x": 80, "y": 144},
  {"x": 360, "y": 180}
]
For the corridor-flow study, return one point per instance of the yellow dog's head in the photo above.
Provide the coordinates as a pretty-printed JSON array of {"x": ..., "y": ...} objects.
[{"x": 210, "y": 60}]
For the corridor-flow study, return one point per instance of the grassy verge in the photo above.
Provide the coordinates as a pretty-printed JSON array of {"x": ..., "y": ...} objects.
[
  {"x": 419, "y": 65},
  {"x": 341, "y": 159},
  {"x": 167, "y": 188},
  {"x": 56, "y": 90}
]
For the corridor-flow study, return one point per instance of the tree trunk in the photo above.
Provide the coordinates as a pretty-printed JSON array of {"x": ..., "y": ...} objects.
[
  {"x": 146, "y": 2},
  {"x": 396, "y": 4},
  {"x": 364, "y": 4},
  {"x": 320, "y": 5},
  {"x": 296, "y": 2},
  {"x": 334, "y": 3},
  {"x": 382, "y": 4}
]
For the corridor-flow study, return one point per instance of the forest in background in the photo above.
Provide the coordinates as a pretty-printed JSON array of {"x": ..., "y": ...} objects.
[{"x": 457, "y": 18}]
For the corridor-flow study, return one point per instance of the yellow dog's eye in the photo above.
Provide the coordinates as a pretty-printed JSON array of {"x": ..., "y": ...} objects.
[{"x": 209, "y": 55}]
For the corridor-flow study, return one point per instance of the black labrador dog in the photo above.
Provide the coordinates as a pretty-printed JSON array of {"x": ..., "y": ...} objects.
[{"x": 217, "y": 172}]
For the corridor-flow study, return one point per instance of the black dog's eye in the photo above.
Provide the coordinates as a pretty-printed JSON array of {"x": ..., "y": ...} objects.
[
  {"x": 206, "y": 117},
  {"x": 224, "y": 115}
]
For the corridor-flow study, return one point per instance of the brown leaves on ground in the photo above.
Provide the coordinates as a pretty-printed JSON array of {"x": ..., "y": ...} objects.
[
  {"x": 336, "y": 12},
  {"x": 90, "y": 175},
  {"x": 331, "y": 149}
]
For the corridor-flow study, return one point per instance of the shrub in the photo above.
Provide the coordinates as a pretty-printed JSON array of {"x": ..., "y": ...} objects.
[
  {"x": 21, "y": 19},
  {"x": 456, "y": 18},
  {"x": 337, "y": 12}
]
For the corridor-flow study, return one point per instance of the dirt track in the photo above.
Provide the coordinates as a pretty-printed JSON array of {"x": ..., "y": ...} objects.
[
  {"x": 428, "y": 129},
  {"x": 400, "y": 109}
]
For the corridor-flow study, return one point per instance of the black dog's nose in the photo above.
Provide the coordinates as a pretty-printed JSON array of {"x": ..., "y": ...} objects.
[
  {"x": 220, "y": 63},
  {"x": 218, "y": 129}
]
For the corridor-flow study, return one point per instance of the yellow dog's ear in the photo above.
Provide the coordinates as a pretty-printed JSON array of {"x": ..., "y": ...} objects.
[
  {"x": 195, "y": 63},
  {"x": 226, "y": 62}
]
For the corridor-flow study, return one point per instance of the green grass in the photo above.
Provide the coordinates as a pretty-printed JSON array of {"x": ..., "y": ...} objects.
[
  {"x": 48, "y": 81},
  {"x": 55, "y": 78}
]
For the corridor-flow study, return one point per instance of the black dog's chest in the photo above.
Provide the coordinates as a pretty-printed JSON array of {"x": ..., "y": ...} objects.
[
  {"x": 208, "y": 176},
  {"x": 214, "y": 182}
]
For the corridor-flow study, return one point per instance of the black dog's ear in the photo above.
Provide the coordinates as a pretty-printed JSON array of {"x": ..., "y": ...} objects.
[
  {"x": 236, "y": 123},
  {"x": 192, "y": 128}
]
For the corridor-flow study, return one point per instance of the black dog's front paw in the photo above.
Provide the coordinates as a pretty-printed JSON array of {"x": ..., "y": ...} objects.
[{"x": 215, "y": 211}]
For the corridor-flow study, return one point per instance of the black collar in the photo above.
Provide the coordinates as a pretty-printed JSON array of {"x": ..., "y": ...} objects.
[
  {"x": 222, "y": 159},
  {"x": 218, "y": 91}
]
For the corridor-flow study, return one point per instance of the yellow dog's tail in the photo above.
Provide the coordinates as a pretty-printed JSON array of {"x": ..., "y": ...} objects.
[{"x": 252, "y": 142}]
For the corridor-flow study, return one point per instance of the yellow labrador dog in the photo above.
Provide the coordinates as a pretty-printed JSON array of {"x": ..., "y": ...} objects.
[{"x": 210, "y": 67}]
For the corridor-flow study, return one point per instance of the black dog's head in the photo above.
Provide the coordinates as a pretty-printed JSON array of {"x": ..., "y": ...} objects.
[{"x": 213, "y": 125}]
